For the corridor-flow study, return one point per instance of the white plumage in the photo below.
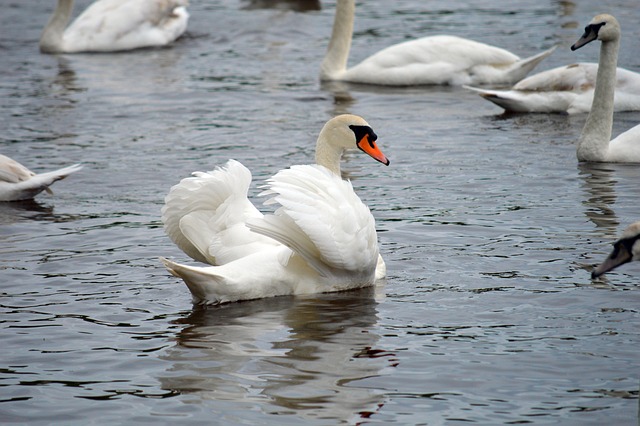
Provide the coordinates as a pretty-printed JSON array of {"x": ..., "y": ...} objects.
[
  {"x": 440, "y": 59},
  {"x": 567, "y": 89},
  {"x": 595, "y": 142},
  {"x": 320, "y": 238},
  {"x": 19, "y": 183},
  {"x": 114, "y": 25}
]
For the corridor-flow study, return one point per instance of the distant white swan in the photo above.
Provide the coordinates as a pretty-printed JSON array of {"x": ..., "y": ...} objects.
[
  {"x": 594, "y": 143},
  {"x": 322, "y": 238},
  {"x": 567, "y": 89},
  {"x": 113, "y": 25},
  {"x": 440, "y": 59},
  {"x": 19, "y": 183},
  {"x": 626, "y": 249}
]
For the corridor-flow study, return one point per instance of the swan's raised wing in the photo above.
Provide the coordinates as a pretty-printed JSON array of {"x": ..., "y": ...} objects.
[
  {"x": 205, "y": 215},
  {"x": 322, "y": 219}
]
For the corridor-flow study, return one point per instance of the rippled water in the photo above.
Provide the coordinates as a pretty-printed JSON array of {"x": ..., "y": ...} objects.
[{"x": 488, "y": 225}]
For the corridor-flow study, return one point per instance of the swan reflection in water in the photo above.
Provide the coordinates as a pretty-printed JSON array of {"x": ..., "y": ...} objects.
[{"x": 303, "y": 356}]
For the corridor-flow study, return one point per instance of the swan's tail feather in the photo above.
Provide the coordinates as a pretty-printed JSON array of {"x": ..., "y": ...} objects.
[
  {"x": 521, "y": 68},
  {"x": 27, "y": 189},
  {"x": 201, "y": 282},
  {"x": 501, "y": 98}
]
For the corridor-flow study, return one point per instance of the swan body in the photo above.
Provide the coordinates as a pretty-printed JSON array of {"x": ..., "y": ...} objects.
[
  {"x": 567, "y": 89},
  {"x": 19, "y": 183},
  {"x": 321, "y": 238},
  {"x": 114, "y": 25},
  {"x": 594, "y": 143},
  {"x": 440, "y": 59},
  {"x": 626, "y": 249}
]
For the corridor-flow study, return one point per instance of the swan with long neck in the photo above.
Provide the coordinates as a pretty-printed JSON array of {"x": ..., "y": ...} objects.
[
  {"x": 441, "y": 59},
  {"x": 114, "y": 25},
  {"x": 626, "y": 249},
  {"x": 18, "y": 183},
  {"x": 321, "y": 238},
  {"x": 595, "y": 142}
]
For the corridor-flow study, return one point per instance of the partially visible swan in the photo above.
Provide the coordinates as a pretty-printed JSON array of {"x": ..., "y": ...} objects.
[
  {"x": 322, "y": 238},
  {"x": 567, "y": 89},
  {"x": 626, "y": 249},
  {"x": 441, "y": 59},
  {"x": 113, "y": 25},
  {"x": 19, "y": 183},
  {"x": 594, "y": 144}
]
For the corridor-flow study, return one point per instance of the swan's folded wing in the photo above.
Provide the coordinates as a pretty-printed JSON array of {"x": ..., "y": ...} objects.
[
  {"x": 570, "y": 78},
  {"x": 205, "y": 214},
  {"x": 121, "y": 24},
  {"x": 322, "y": 219}
]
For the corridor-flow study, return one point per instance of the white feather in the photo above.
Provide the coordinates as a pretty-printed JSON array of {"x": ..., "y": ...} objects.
[{"x": 115, "y": 25}]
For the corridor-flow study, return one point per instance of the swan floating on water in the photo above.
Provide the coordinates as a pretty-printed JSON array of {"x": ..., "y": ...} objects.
[
  {"x": 626, "y": 249},
  {"x": 594, "y": 143},
  {"x": 321, "y": 238},
  {"x": 18, "y": 183},
  {"x": 114, "y": 25},
  {"x": 440, "y": 59},
  {"x": 567, "y": 89}
]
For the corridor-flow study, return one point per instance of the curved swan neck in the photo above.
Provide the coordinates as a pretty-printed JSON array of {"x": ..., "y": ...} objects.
[
  {"x": 335, "y": 60},
  {"x": 596, "y": 134},
  {"x": 328, "y": 155},
  {"x": 51, "y": 39}
]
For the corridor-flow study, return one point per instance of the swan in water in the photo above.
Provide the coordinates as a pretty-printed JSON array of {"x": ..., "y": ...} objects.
[
  {"x": 321, "y": 238},
  {"x": 567, "y": 89},
  {"x": 594, "y": 144},
  {"x": 440, "y": 59},
  {"x": 626, "y": 249},
  {"x": 19, "y": 183},
  {"x": 113, "y": 25}
]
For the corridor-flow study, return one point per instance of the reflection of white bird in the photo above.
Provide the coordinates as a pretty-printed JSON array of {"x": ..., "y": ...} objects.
[
  {"x": 437, "y": 59},
  {"x": 113, "y": 25},
  {"x": 322, "y": 238},
  {"x": 594, "y": 144},
  {"x": 19, "y": 183},
  {"x": 626, "y": 249},
  {"x": 567, "y": 89}
]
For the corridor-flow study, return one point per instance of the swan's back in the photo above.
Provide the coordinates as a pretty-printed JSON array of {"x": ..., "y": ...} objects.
[
  {"x": 109, "y": 25},
  {"x": 434, "y": 59}
]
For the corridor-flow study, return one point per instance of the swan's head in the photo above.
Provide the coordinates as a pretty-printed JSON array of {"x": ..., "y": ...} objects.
[
  {"x": 625, "y": 250},
  {"x": 348, "y": 132},
  {"x": 602, "y": 27}
]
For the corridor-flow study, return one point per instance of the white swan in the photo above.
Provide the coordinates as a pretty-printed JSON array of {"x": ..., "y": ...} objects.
[
  {"x": 594, "y": 144},
  {"x": 440, "y": 59},
  {"x": 322, "y": 238},
  {"x": 113, "y": 25},
  {"x": 626, "y": 249},
  {"x": 19, "y": 183},
  {"x": 567, "y": 89}
]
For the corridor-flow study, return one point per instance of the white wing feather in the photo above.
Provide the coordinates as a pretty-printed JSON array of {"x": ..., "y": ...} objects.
[
  {"x": 320, "y": 218},
  {"x": 205, "y": 215}
]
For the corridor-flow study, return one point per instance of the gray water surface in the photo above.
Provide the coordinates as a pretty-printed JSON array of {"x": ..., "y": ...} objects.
[{"x": 488, "y": 225}]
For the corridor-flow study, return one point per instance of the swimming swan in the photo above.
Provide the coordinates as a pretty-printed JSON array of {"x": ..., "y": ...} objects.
[
  {"x": 626, "y": 249},
  {"x": 567, "y": 89},
  {"x": 594, "y": 144},
  {"x": 19, "y": 183},
  {"x": 441, "y": 59},
  {"x": 113, "y": 25},
  {"x": 321, "y": 238}
]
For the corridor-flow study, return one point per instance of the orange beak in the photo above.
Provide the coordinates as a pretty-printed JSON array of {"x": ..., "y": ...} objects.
[{"x": 372, "y": 149}]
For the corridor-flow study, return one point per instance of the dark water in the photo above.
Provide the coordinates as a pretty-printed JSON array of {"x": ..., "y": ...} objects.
[{"x": 488, "y": 225}]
